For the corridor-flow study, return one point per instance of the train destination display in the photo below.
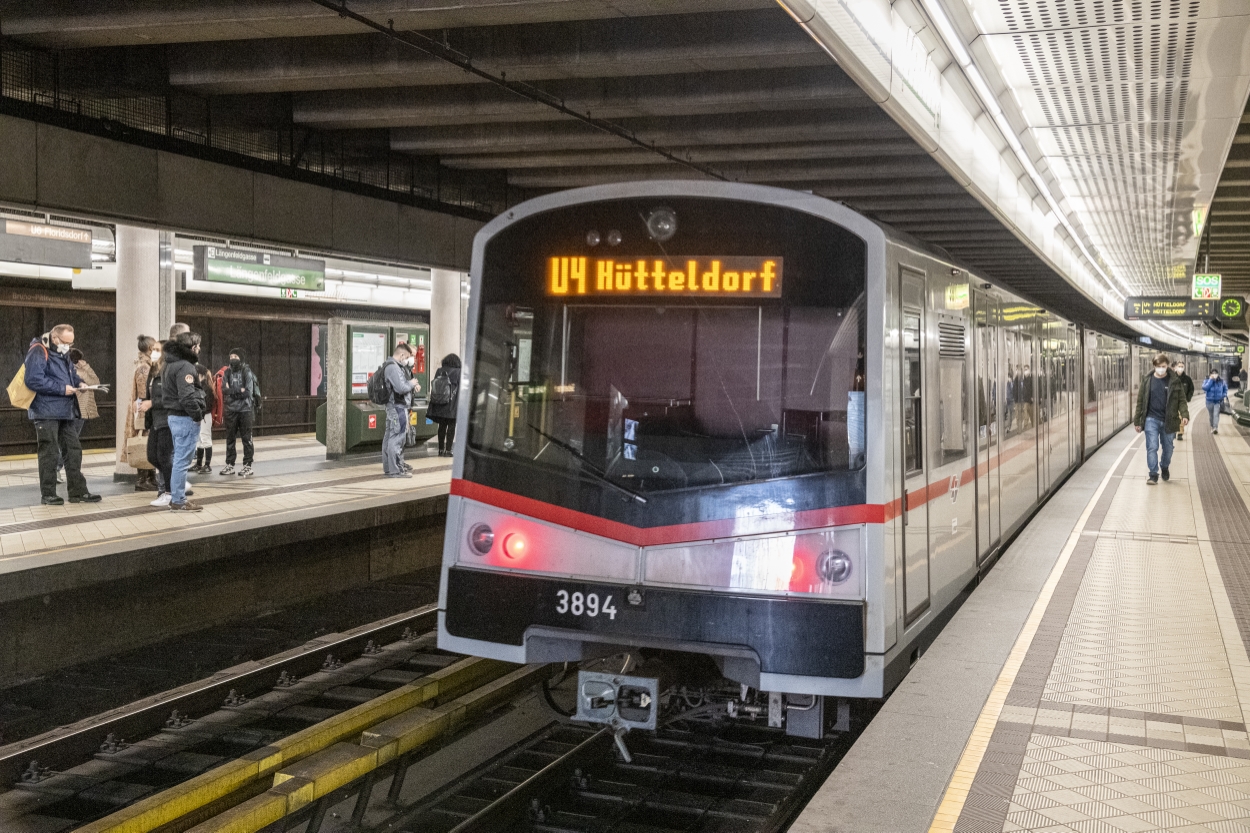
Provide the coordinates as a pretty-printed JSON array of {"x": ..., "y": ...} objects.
[
  {"x": 728, "y": 277},
  {"x": 1137, "y": 308}
]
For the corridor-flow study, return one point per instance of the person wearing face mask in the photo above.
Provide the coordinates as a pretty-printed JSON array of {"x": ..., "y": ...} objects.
[
  {"x": 184, "y": 408},
  {"x": 1162, "y": 410},
  {"x": 1216, "y": 391},
  {"x": 239, "y": 393},
  {"x": 1179, "y": 367},
  {"x": 54, "y": 411},
  {"x": 397, "y": 371},
  {"x": 149, "y": 354}
]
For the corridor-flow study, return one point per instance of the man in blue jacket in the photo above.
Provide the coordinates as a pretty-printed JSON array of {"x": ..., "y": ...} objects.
[{"x": 51, "y": 375}]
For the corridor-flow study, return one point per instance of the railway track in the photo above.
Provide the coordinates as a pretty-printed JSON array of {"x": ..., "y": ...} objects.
[{"x": 169, "y": 761}]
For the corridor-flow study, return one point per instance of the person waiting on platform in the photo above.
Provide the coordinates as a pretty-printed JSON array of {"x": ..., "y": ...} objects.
[
  {"x": 1161, "y": 411},
  {"x": 1216, "y": 391},
  {"x": 240, "y": 393},
  {"x": 55, "y": 382},
  {"x": 86, "y": 402},
  {"x": 1179, "y": 367},
  {"x": 397, "y": 373},
  {"x": 135, "y": 413},
  {"x": 444, "y": 398},
  {"x": 204, "y": 447},
  {"x": 184, "y": 407}
]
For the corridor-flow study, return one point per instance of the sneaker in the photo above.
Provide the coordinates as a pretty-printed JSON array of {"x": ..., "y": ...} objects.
[
  {"x": 246, "y": 471},
  {"x": 163, "y": 500},
  {"x": 1152, "y": 480},
  {"x": 147, "y": 486},
  {"x": 1180, "y": 437},
  {"x": 206, "y": 470},
  {"x": 87, "y": 498},
  {"x": 52, "y": 500},
  {"x": 227, "y": 469},
  {"x": 60, "y": 475},
  {"x": 1166, "y": 474},
  {"x": 186, "y": 506},
  {"x": 1215, "y": 430},
  {"x": 408, "y": 468},
  {"x": 402, "y": 474},
  {"x": 188, "y": 493}
]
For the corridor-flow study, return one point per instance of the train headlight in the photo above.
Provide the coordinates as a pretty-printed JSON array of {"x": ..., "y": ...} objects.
[
  {"x": 515, "y": 545},
  {"x": 481, "y": 538},
  {"x": 592, "y": 238},
  {"x": 662, "y": 224},
  {"x": 834, "y": 566}
]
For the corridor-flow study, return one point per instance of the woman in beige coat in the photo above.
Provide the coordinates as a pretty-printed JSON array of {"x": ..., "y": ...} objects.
[{"x": 146, "y": 481}]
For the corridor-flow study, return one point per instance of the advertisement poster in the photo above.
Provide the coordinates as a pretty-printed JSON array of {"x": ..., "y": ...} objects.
[{"x": 317, "y": 376}]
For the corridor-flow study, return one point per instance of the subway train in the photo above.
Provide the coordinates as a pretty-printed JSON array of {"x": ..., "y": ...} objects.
[{"x": 729, "y": 424}]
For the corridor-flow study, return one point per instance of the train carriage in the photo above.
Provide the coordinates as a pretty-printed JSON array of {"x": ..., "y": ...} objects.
[{"x": 746, "y": 424}]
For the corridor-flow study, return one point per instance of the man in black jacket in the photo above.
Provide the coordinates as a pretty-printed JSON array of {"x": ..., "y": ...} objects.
[
  {"x": 239, "y": 392},
  {"x": 184, "y": 407}
]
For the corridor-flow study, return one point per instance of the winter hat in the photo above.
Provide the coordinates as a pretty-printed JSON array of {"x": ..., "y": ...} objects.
[{"x": 235, "y": 351}]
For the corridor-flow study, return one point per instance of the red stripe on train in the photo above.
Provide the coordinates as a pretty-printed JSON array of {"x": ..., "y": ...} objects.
[{"x": 864, "y": 513}]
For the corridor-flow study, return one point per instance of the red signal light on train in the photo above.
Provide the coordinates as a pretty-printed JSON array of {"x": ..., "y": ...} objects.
[{"x": 515, "y": 545}]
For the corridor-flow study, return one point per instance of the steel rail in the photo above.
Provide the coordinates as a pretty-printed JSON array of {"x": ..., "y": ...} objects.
[
  {"x": 69, "y": 746},
  {"x": 444, "y": 52}
]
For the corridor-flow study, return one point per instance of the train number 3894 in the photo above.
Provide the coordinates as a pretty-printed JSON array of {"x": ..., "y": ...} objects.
[{"x": 584, "y": 604}]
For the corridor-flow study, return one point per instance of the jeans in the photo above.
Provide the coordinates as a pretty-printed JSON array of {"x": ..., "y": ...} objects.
[
  {"x": 1213, "y": 409},
  {"x": 393, "y": 439},
  {"x": 239, "y": 424},
  {"x": 58, "y": 439},
  {"x": 186, "y": 433},
  {"x": 1154, "y": 436}
]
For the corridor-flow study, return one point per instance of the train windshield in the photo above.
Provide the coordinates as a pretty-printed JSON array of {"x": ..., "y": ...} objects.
[{"x": 591, "y": 366}]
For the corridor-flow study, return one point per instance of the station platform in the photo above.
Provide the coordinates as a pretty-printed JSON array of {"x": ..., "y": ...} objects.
[
  {"x": 300, "y": 528},
  {"x": 1097, "y": 680}
]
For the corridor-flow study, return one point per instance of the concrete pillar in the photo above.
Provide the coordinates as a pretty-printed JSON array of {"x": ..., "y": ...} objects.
[
  {"x": 447, "y": 315},
  {"x": 144, "y": 307},
  {"x": 336, "y": 389}
]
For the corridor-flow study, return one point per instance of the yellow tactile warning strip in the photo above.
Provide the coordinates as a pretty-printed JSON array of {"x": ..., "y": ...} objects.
[{"x": 960, "y": 785}]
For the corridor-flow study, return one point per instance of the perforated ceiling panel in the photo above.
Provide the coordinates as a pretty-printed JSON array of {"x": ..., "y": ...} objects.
[{"x": 1132, "y": 104}]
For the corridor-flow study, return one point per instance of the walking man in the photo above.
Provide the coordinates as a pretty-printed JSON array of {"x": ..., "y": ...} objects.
[
  {"x": 1179, "y": 367},
  {"x": 185, "y": 407},
  {"x": 1161, "y": 411},
  {"x": 1216, "y": 391},
  {"x": 240, "y": 392},
  {"x": 55, "y": 381},
  {"x": 397, "y": 372}
]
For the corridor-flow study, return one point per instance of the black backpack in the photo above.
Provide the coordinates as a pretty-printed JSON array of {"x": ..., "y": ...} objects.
[
  {"x": 379, "y": 391},
  {"x": 440, "y": 391}
]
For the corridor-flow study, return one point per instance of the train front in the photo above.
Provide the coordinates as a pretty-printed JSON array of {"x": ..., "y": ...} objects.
[{"x": 663, "y": 440}]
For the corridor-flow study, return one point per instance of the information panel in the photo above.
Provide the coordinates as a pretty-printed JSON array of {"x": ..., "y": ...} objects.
[
  {"x": 1206, "y": 287},
  {"x": 218, "y": 263},
  {"x": 369, "y": 350},
  {"x": 45, "y": 245},
  {"x": 1137, "y": 308},
  {"x": 707, "y": 276}
]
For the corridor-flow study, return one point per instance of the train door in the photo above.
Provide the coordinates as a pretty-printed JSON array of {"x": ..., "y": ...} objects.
[
  {"x": 1090, "y": 395},
  {"x": 915, "y": 471},
  {"x": 987, "y": 375}
]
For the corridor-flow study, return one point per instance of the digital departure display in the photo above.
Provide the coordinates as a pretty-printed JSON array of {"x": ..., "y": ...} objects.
[{"x": 692, "y": 276}]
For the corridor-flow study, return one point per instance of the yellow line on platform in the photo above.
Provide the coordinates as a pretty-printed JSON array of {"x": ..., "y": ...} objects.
[{"x": 960, "y": 785}]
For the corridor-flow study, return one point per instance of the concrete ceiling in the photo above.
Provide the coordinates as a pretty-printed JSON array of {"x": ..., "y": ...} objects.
[
  {"x": 732, "y": 85},
  {"x": 1225, "y": 247}
]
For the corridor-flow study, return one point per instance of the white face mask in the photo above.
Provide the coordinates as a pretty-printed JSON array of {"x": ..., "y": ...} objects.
[
  {"x": 62, "y": 349},
  {"x": 156, "y": 356},
  {"x": 410, "y": 362},
  {"x": 1161, "y": 372}
]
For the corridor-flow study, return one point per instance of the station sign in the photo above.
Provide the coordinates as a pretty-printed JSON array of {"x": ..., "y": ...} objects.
[
  {"x": 41, "y": 244},
  {"x": 1139, "y": 308},
  {"x": 226, "y": 265},
  {"x": 1206, "y": 287}
]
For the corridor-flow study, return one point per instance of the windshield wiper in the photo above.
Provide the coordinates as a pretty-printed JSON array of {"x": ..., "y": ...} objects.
[{"x": 587, "y": 466}]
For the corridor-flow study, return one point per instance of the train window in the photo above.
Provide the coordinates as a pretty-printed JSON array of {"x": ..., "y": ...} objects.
[
  {"x": 913, "y": 422},
  {"x": 952, "y": 392}
]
